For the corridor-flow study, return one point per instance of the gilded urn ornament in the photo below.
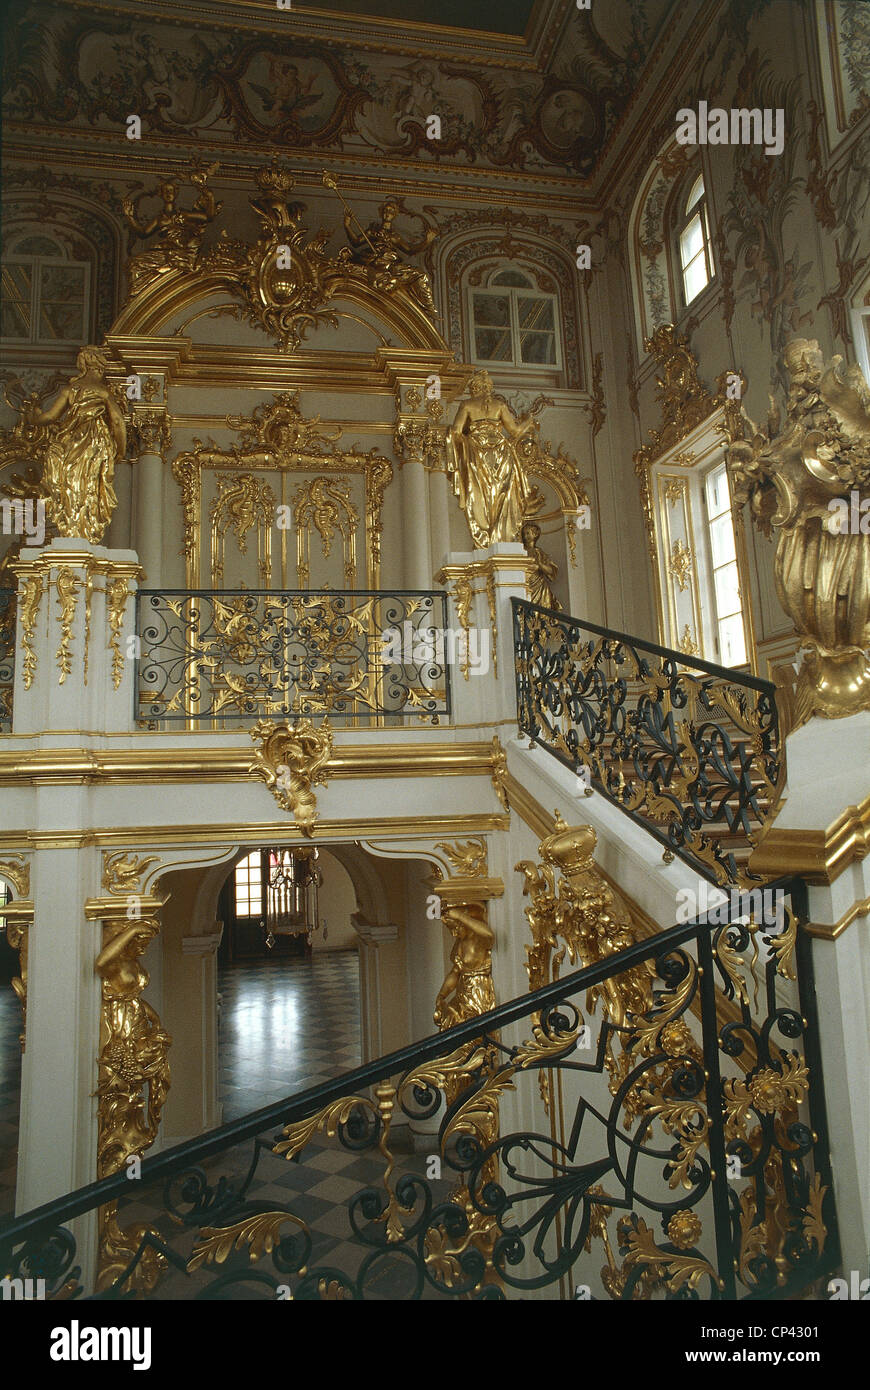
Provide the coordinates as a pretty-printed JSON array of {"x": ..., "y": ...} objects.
[
  {"x": 800, "y": 479},
  {"x": 489, "y": 475}
]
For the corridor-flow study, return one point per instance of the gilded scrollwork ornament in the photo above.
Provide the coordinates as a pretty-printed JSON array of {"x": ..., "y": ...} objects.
[
  {"x": 292, "y": 759},
  {"x": 801, "y": 477}
]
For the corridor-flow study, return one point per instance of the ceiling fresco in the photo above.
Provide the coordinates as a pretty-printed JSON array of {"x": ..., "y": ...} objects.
[{"x": 226, "y": 89}]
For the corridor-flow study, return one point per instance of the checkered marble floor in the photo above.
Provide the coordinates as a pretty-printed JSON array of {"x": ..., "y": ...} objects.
[{"x": 286, "y": 1025}]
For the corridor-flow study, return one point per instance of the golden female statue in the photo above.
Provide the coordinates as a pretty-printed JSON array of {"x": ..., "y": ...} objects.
[
  {"x": 81, "y": 454},
  {"x": 469, "y": 979},
  {"x": 488, "y": 474},
  {"x": 540, "y": 579}
]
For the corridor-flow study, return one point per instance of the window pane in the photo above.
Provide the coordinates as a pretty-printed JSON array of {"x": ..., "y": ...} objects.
[
  {"x": 492, "y": 309},
  {"x": 510, "y": 277},
  {"x": 493, "y": 345},
  {"x": 535, "y": 313},
  {"x": 695, "y": 192},
  {"x": 17, "y": 285},
  {"x": 718, "y": 492},
  {"x": 727, "y": 590},
  {"x": 694, "y": 278},
  {"x": 732, "y": 643},
  {"x": 691, "y": 240},
  {"x": 37, "y": 246},
  {"x": 722, "y": 540},
  {"x": 539, "y": 348},
  {"x": 61, "y": 301}
]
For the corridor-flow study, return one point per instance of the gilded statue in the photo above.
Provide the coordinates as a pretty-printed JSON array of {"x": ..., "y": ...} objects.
[
  {"x": 489, "y": 476},
  {"x": 179, "y": 230},
  {"x": 380, "y": 248},
  {"x": 539, "y": 581},
  {"x": 88, "y": 438},
  {"x": 802, "y": 478},
  {"x": 133, "y": 1056},
  {"x": 467, "y": 989}
]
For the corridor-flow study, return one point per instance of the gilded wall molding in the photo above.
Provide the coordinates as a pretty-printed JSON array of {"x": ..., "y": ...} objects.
[{"x": 278, "y": 437}]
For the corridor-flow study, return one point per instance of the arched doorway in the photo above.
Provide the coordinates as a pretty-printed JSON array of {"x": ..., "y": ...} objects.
[{"x": 289, "y": 998}]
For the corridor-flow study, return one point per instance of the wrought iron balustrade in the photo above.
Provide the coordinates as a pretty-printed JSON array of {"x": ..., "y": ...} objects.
[
  {"x": 216, "y": 658},
  {"x": 7, "y": 658},
  {"x": 678, "y": 1150},
  {"x": 691, "y": 750}
]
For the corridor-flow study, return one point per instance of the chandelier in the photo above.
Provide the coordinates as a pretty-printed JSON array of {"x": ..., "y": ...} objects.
[{"x": 292, "y": 894}]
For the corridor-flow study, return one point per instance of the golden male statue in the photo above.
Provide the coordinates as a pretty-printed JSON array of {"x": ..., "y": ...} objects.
[{"x": 489, "y": 476}]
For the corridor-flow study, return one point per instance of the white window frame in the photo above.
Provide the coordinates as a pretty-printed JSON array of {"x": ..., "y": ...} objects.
[
  {"x": 36, "y": 263},
  {"x": 514, "y": 293},
  {"x": 695, "y": 208},
  {"x": 711, "y": 617}
]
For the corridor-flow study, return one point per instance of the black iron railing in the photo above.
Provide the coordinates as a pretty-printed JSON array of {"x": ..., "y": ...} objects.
[
  {"x": 690, "y": 750},
  {"x": 209, "y": 658},
  {"x": 678, "y": 1149},
  {"x": 7, "y": 658}
]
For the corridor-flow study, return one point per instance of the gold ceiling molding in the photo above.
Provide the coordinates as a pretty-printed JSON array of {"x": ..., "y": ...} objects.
[
  {"x": 278, "y": 436},
  {"x": 172, "y": 765},
  {"x": 819, "y": 856}
]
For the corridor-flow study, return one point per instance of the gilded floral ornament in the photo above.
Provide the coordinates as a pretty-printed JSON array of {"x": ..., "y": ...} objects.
[
  {"x": 800, "y": 478},
  {"x": 292, "y": 759}
]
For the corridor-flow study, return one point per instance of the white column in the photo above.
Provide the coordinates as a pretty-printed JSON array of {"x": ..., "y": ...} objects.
[{"x": 416, "y": 541}]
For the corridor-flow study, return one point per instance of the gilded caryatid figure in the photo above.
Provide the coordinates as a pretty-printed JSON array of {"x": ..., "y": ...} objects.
[
  {"x": 489, "y": 476},
  {"x": 87, "y": 439},
  {"x": 467, "y": 989},
  {"x": 809, "y": 480}
]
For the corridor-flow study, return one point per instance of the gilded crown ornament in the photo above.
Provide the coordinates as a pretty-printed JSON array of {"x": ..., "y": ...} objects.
[{"x": 798, "y": 477}]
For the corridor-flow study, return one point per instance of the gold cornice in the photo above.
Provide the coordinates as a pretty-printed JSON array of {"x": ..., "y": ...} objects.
[
  {"x": 830, "y": 932},
  {"x": 19, "y": 912},
  {"x": 56, "y": 766},
  {"x": 101, "y": 909},
  {"x": 819, "y": 856},
  {"x": 44, "y": 561},
  {"x": 257, "y": 833},
  {"x": 558, "y": 195}
]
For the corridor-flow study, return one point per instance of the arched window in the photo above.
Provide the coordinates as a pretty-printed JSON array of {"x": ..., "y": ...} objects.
[
  {"x": 513, "y": 322},
  {"x": 693, "y": 242},
  {"x": 45, "y": 294}
]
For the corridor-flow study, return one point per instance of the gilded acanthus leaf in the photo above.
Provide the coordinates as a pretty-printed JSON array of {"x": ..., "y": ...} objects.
[{"x": 261, "y": 1232}]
